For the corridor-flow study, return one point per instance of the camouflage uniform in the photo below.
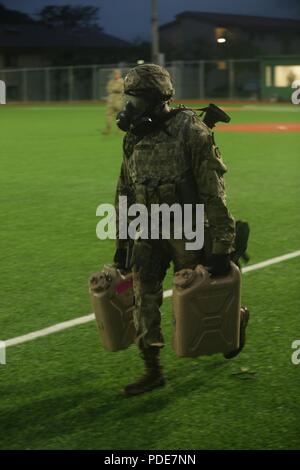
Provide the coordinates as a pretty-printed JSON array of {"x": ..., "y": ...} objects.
[{"x": 153, "y": 170}]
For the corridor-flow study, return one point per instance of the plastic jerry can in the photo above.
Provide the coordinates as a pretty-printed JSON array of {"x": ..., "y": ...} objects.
[
  {"x": 206, "y": 312},
  {"x": 113, "y": 300}
]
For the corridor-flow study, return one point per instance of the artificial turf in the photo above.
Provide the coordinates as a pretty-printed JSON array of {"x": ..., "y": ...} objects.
[{"x": 62, "y": 391}]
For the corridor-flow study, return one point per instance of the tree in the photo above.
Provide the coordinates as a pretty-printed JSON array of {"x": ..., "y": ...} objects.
[
  {"x": 8, "y": 16},
  {"x": 68, "y": 16}
]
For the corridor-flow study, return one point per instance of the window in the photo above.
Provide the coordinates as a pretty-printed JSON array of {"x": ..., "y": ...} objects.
[
  {"x": 285, "y": 75},
  {"x": 220, "y": 33},
  {"x": 222, "y": 65}
]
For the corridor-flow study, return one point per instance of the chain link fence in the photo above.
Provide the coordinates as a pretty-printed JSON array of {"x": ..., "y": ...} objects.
[{"x": 193, "y": 80}]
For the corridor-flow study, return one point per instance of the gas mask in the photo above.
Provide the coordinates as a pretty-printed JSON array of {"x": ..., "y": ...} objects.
[{"x": 139, "y": 114}]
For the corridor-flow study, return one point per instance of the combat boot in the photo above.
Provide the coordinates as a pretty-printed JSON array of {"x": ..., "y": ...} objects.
[
  {"x": 153, "y": 376},
  {"x": 243, "y": 325}
]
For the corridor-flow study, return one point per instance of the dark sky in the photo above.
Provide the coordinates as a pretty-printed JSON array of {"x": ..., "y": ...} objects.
[{"x": 131, "y": 18}]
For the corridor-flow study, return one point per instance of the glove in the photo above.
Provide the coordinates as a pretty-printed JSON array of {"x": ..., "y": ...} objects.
[
  {"x": 219, "y": 265},
  {"x": 120, "y": 258}
]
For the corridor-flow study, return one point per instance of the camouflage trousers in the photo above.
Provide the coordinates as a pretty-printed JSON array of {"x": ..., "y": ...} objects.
[
  {"x": 114, "y": 104},
  {"x": 151, "y": 260}
]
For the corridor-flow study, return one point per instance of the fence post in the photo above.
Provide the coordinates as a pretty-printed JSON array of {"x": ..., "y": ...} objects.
[
  {"x": 47, "y": 84},
  {"x": 202, "y": 79},
  {"x": 24, "y": 85},
  {"x": 261, "y": 78},
  {"x": 71, "y": 83},
  {"x": 177, "y": 77},
  {"x": 231, "y": 78},
  {"x": 95, "y": 88}
]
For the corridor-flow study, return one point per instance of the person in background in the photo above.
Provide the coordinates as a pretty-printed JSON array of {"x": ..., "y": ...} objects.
[{"x": 114, "y": 100}]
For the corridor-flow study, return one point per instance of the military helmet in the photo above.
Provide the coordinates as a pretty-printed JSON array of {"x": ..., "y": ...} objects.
[{"x": 149, "y": 78}]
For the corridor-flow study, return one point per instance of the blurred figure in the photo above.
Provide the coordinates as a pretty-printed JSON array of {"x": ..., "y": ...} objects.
[
  {"x": 114, "y": 100},
  {"x": 291, "y": 77}
]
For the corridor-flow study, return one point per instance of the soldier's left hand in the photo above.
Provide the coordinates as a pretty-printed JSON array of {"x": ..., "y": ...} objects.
[{"x": 219, "y": 265}]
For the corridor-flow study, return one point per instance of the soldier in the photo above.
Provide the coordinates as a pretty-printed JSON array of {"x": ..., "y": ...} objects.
[
  {"x": 114, "y": 101},
  {"x": 169, "y": 156}
]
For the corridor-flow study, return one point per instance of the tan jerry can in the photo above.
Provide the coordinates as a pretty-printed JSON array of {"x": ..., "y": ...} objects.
[
  {"x": 112, "y": 300},
  {"x": 206, "y": 312}
]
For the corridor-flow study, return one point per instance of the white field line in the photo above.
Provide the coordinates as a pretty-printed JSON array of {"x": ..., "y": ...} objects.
[
  {"x": 280, "y": 109},
  {"x": 90, "y": 317}
]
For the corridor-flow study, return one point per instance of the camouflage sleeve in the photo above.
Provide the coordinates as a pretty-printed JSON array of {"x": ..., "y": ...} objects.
[
  {"x": 123, "y": 189},
  {"x": 120, "y": 191},
  {"x": 208, "y": 169}
]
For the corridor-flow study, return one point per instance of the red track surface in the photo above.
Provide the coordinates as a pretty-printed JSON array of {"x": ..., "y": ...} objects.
[{"x": 260, "y": 127}]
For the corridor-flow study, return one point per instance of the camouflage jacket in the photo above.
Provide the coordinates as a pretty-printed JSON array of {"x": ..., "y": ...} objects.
[
  {"x": 154, "y": 166},
  {"x": 115, "y": 86}
]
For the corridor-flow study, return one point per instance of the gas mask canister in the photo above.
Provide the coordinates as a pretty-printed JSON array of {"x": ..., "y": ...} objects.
[{"x": 137, "y": 116}]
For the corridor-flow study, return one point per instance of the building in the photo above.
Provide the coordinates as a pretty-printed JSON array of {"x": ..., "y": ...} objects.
[
  {"x": 34, "y": 60},
  {"x": 196, "y": 36},
  {"x": 38, "y": 45}
]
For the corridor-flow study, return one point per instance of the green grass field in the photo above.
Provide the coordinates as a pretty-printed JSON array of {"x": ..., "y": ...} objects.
[{"x": 61, "y": 391}]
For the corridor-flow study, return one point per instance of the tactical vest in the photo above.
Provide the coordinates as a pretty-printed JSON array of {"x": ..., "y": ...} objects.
[{"x": 159, "y": 166}]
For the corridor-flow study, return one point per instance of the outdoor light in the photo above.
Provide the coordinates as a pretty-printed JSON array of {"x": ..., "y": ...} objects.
[{"x": 221, "y": 40}]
